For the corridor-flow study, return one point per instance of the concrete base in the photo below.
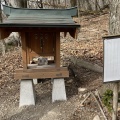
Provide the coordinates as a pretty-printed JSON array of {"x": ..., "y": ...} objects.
[
  {"x": 58, "y": 92},
  {"x": 35, "y": 81},
  {"x": 27, "y": 93}
]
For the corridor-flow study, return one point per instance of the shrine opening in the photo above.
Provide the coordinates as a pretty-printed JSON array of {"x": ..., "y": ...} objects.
[{"x": 40, "y": 36}]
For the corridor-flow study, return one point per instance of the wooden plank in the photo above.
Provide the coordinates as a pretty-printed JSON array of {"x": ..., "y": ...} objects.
[
  {"x": 35, "y": 43},
  {"x": 42, "y": 70},
  {"x": 32, "y": 54},
  {"x": 40, "y": 44},
  {"x": 32, "y": 75},
  {"x": 48, "y": 43},
  {"x": 115, "y": 100},
  {"x": 35, "y": 29},
  {"x": 27, "y": 47},
  {"x": 73, "y": 33},
  {"x": 57, "y": 56},
  {"x": 4, "y": 34},
  {"x": 24, "y": 50}
]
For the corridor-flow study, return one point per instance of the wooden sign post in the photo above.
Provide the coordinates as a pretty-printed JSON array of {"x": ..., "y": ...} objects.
[
  {"x": 112, "y": 67},
  {"x": 115, "y": 100}
]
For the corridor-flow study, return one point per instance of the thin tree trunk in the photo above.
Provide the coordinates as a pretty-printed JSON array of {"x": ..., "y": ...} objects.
[
  {"x": 41, "y": 3},
  {"x": 73, "y": 3},
  {"x": 65, "y": 3},
  {"x": 115, "y": 101},
  {"x": 25, "y": 3},
  {"x": 18, "y": 3},
  {"x": 114, "y": 28},
  {"x": 114, "y": 24},
  {"x": 54, "y": 3},
  {"x": 0, "y": 13}
]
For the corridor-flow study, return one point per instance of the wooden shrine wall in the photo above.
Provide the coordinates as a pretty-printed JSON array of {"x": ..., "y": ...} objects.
[{"x": 40, "y": 44}]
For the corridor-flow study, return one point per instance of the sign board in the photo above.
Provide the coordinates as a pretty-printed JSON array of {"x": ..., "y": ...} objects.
[{"x": 111, "y": 59}]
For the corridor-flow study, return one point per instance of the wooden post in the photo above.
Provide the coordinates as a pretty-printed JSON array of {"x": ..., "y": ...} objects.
[
  {"x": 115, "y": 100},
  {"x": 24, "y": 50},
  {"x": 4, "y": 33},
  {"x": 57, "y": 54}
]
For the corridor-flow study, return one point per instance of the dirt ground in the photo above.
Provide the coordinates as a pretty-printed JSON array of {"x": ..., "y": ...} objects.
[{"x": 89, "y": 47}]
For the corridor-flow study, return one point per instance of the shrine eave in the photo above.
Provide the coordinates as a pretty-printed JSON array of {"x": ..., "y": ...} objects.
[
  {"x": 4, "y": 25},
  {"x": 52, "y": 18}
]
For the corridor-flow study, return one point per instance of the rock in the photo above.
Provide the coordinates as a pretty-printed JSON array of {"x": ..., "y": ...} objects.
[
  {"x": 96, "y": 117},
  {"x": 85, "y": 95},
  {"x": 70, "y": 81},
  {"x": 82, "y": 90},
  {"x": 14, "y": 39}
]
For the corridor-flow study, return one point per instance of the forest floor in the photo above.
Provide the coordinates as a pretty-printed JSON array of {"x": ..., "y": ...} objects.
[{"x": 89, "y": 47}]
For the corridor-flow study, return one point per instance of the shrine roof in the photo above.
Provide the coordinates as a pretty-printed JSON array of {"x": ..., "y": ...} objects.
[{"x": 24, "y": 17}]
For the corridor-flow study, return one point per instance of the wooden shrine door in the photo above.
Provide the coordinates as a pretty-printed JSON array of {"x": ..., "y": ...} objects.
[{"x": 41, "y": 44}]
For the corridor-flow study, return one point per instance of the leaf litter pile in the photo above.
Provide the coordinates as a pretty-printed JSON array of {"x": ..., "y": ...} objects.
[{"x": 89, "y": 47}]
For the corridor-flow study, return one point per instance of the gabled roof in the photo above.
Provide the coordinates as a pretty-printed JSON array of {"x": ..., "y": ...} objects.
[{"x": 24, "y": 17}]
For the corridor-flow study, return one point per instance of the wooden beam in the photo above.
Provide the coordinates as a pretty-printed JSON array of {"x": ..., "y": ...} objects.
[
  {"x": 31, "y": 29},
  {"x": 4, "y": 34},
  {"x": 65, "y": 34},
  {"x": 24, "y": 50},
  {"x": 57, "y": 55},
  {"x": 32, "y": 75},
  {"x": 27, "y": 48},
  {"x": 61, "y": 69},
  {"x": 40, "y": 54},
  {"x": 74, "y": 33},
  {"x": 115, "y": 100}
]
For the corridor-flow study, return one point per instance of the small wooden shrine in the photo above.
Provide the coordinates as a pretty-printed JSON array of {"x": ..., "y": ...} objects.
[{"x": 40, "y": 35}]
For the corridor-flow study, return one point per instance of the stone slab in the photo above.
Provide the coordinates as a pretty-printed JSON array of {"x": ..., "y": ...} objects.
[
  {"x": 58, "y": 91},
  {"x": 27, "y": 93},
  {"x": 35, "y": 81}
]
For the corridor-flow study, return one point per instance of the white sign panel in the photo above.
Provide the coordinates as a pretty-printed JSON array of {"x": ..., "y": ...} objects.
[{"x": 111, "y": 59}]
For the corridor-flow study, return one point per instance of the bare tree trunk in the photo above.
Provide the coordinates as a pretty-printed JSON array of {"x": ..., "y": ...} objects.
[
  {"x": 114, "y": 28},
  {"x": 114, "y": 24},
  {"x": 115, "y": 101},
  {"x": 24, "y": 3},
  {"x": 58, "y": 1},
  {"x": 18, "y": 3},
  {"x": 0, "y": 13},
  {"x": 54, "y": 3},
  {"x": 92, "y": 5},
  {"x": 41, "y": 3},
  {"x": 73, "y": 3},
  {"x": 65, "y": 4},
  {"x": 6, "y": 2}
]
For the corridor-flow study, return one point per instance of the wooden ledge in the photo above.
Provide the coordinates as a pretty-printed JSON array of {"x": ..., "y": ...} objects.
[
  {"x": 45, "y": 69},
  {"x": 41, "y": 73}
]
